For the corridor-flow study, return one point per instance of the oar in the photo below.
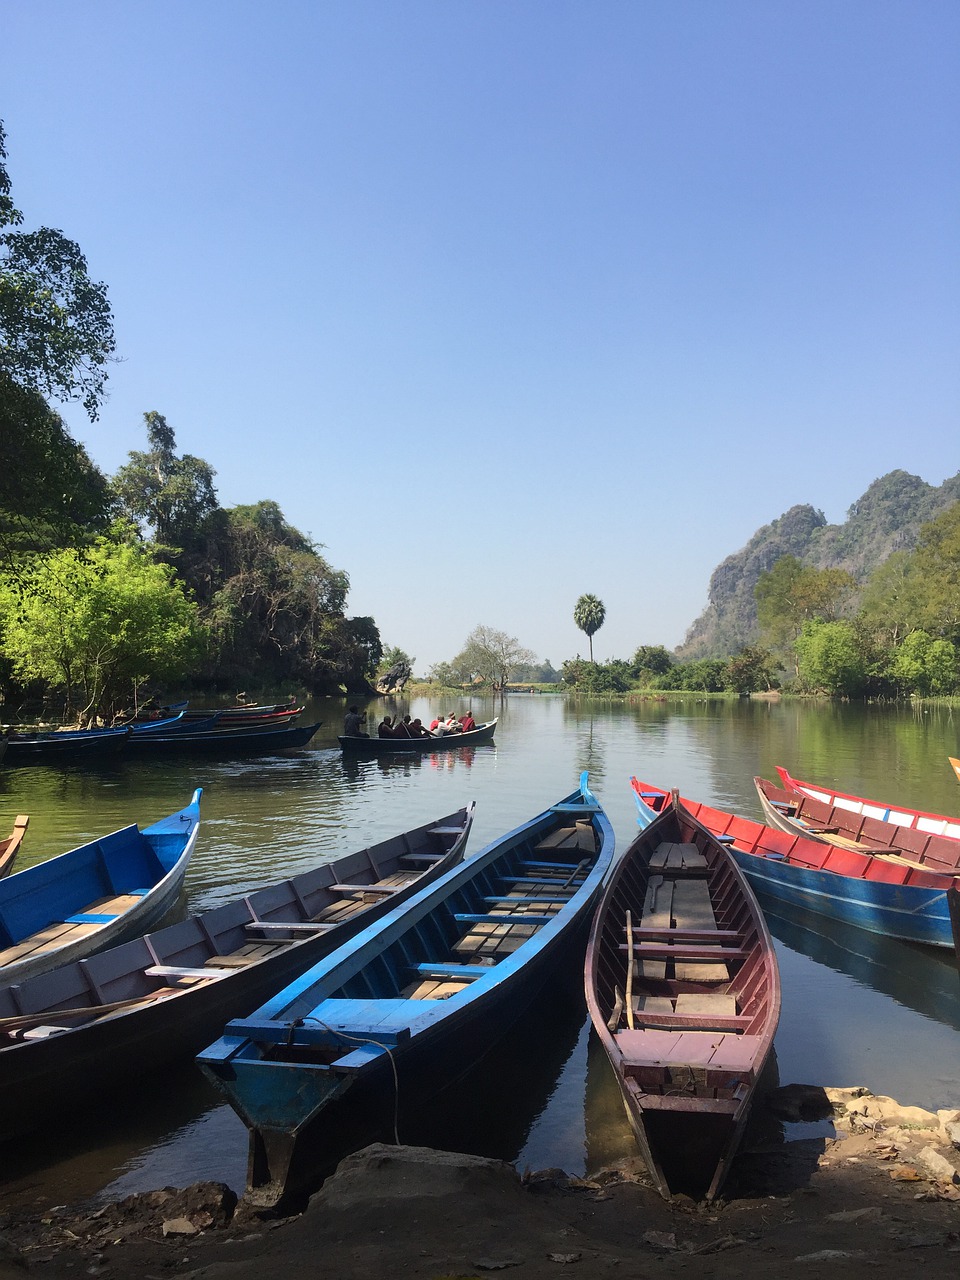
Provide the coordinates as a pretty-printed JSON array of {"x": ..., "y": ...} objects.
[{"x": 23, "y": 1021}]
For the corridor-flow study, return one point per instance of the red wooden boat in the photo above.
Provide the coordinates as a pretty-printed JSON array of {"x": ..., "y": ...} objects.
[
  {"x": 684, "y": 993},
  {"x": 936, "y": 824},
  {"x": 248, "y": 717},
  {"x": 801, "y": 814},
  {"x": 10, "y": 847}
]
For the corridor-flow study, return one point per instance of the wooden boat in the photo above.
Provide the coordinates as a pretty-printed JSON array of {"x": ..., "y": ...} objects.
[
  {"x": 94, "y": 896},
  {"x": 935, "y": 824},
  {"x": 10, "y": 847},
  {"x": 684, "y": 994},
  {"x": 239, "y": 717},
  {"x": 75, "y": 1034},
  {"x": 380, "y": 746},
  {"x": 798, "y": 813},
  {"x": 224, "y": 742},
  {"x": 955, "y": 765},
  {"x": 879, "y": 892},
  {"x": 421, "y": 994},
  {"x": 953, "y": 906},
  {"x": 65, "y": 748}
]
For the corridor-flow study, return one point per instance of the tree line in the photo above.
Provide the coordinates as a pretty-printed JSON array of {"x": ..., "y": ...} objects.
[{"x": 111, "y": 584}]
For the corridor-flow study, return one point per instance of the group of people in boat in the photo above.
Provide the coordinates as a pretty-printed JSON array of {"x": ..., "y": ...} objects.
[{"x": 395, "y": 727}]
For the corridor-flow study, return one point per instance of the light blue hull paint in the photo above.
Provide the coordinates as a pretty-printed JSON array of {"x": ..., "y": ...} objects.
[{"x": 896, "y": 910}]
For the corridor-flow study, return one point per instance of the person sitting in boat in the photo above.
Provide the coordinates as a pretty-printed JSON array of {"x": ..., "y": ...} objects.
[
  {"x": 402, "y": 729},
  {"x": 353, "y": 724},
  {"x": 434, "y": 722},
  {"x": 385, "y": 728},
  {"x": 452, "y": 723},
  {"x": 439, "y": 727},
  {"x": 417, "y": 730},
  {"x": 467, "y": 723}
]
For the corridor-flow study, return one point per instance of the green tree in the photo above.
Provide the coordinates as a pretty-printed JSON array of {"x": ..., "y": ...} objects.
[
  {"x": 652, "y": 658},
  {"x": 830, "y": 658},
  {"x": 750, "y": 670},
  {"x": 925, "y": 665},
  {"x": 167, "y": 495},
  {"x": 56, "y": 329},
  {"x": 936, "y": 563},
  {"x": 589, "y": 613},
  {"x": 98, "y": 624},
  {"x": 792, "y": 594},
  {"x": 490, "y": 655}
]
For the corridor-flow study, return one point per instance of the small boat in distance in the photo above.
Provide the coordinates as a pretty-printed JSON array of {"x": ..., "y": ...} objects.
[
  {"x": 934, "y": 824},
  {"x": 10, "y": 847},
  {"x": 95, "y": 896},
  {"x": 78, "y": 1034},
  {"x": 872, "y": 891},
  {"x": 683, "y": 991},
  {"x": 801, "y": 814},
  {"x": 380, "y": 746},
  {"x": 418, "y": 997}
]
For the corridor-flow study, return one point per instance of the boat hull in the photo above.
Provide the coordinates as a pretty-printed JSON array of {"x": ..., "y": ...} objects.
[
  {"x": 225, "y": 742},
  {"x": 416, "y": 746},
  {"x": 87, "y": 1062}
]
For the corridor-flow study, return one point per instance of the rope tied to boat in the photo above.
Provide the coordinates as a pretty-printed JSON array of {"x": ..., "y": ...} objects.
[{"x": 344, "y": 1035}]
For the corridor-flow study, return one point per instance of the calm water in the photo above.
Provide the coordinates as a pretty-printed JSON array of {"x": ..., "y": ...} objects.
[{"x": 856, "y": 1009}]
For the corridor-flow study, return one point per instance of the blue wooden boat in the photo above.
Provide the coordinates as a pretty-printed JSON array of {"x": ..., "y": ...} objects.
[
  {"x": 684, "y": 995},
  {"x": 418, "y": 996},
  {"x": 94, "y": 896},
  {"x": 70, "y": 747},
  {"x": 374, "y": 746},
  {"x": 85, "y": 1030},
  {"x": 882, "y": 892},
  {"x": 223, "y": 742}
]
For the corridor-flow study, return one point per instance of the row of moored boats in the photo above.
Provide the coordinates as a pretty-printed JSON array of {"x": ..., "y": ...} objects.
[{"x": 398, "y": 965}]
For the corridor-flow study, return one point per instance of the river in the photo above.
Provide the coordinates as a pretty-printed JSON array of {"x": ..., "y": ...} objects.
[{"x": 857, "y": 1009}]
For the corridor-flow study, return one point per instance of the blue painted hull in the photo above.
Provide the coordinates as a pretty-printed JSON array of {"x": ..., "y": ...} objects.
[
  {"x": 899, "y": 911},
  {"x": 351, "y": 1026}
]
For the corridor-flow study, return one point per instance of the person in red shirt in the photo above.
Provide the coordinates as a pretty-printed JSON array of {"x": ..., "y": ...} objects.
[{"x": 467, "y": 722}]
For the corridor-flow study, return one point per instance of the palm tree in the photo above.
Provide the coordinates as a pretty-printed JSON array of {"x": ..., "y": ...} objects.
[{"x": 588, "y": 614}]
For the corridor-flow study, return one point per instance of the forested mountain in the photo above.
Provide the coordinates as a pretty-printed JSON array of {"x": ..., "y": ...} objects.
[{"x": 885, "y": 519}]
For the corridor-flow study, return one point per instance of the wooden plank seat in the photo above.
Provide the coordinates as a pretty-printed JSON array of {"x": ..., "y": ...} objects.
[
  {"x": 545, "y": 900},
  {"x": 534, "y": 864},
  {"x": 657, "y": 914},
  {"x": 692, "y": 909},
  {"x": 90, "y": 917},
  {"x": 179, "y": 973},
  {"x": 249, "y": 953},
  {"x": 512, "y": 917},
  {"x": 291, "y": 926},
  {"x": 685, "y": 951},
  {"x": 468, "y": 972},
  {"x": 385, "y": 890},
  {"x": 677, "y": 858},
  {"x": 687, "y": 935},
  {"x": 60, "y": 932},
  {"x": 422, "y": 857}
]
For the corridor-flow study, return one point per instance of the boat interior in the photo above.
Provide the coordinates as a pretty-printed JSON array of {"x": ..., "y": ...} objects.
[
  {"x": 205, "y": 948},
  {"x": 681, "y": 977}
]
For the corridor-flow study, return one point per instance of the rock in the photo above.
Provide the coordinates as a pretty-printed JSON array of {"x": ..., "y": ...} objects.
[
  {"x": 10, "y": 1255},
  {"x": 936, "y": 1165},
  {"x": 799, "y": 1102},
  {"x": 381, "y": 1172},
  {"x": 660, "y": 1239},
  {"x": 844, "y": 1095},
  {"x": 179, "y": 1227},
  {"x": 952, "y": 1132},
  {"x": 829, "y": 1255},
  {"x": 869, "y": 1214},
  {"x": 897, "y": 1116}
]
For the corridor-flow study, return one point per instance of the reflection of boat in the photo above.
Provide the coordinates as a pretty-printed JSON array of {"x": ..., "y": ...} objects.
[
  {"x": 912, "y": 819},
  {"x": 684, "y": 993},
  {"x": 885, "y": 895},
  {"x": 800, "y": 814},
  {"x": 133, "y": 1009},
  {"x": 10, "y": 847},
  {"x": 425, "y": 992},
  {"x": 417, "y": 746},
  {"x": 94, "y": 896},
  {"x": 916, "y": 977}
]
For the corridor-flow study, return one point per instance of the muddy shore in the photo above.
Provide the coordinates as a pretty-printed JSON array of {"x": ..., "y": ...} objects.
[{"x": 879, "y": 1192}]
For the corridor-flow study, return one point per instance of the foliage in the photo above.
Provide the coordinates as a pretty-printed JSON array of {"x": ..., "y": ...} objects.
[
  {"x": 168, "y": 496},
  {"x": 98, "y": 624},
  {"x": 589, "y": 613},
  {"x": 489, "y": 656},
  {"x": 793, "y": 593},
  {"x": 534, "y": 673},
  {"x": 391, "y": 657},
  {"x": 652, "y": 658},
  {"x": 925, "y": 666},
  {"x": 56, "y": 329},
  {"x": 936, "y": 563},
  {"x": 750, "y": 670},
  {"x": 830, "y": 658}
]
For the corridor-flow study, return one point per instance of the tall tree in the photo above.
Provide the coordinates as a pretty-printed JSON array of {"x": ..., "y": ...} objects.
[
  {"x": 589, "y": 613},
  {"x": 490, "y": 656},
  {"x": 169, "y": 496},
  {"x": 56, "y": 328}
]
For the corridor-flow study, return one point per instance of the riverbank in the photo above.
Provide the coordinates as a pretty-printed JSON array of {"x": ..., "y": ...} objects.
[{"x": 879, "y": 1194}]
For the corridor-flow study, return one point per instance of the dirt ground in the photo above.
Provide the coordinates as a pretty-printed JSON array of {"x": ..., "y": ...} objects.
[{"x": 880, "y": 1197}]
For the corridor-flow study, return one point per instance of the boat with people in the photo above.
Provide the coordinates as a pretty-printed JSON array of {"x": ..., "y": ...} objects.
[
  {"x": 880, "y": 892},
  {"x": 77, "y": 1034},
  {"x": 415, "y": 999},
  {"x": 94, "y": 896},
  {"x": 683, "y": 991},
  {"x": 10, "y": 846},
  {"x": 934, "y": 824},
  {"x": 352, "y": 744},
  {"x": 799, "y": 813}
]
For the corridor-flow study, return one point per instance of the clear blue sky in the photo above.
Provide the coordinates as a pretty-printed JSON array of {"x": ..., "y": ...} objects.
[{"x": 502, "y": 300}]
